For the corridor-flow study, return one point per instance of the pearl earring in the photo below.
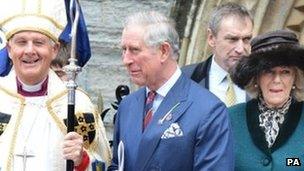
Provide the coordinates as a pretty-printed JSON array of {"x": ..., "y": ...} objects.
[
  {"x": 293, "y": 87},
  {"x": 255, "y": 86}
]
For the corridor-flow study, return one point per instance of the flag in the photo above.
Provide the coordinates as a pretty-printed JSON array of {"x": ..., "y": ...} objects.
[
  {"x": 5, "y": 66},
  {"x": 83, "y": 49}
]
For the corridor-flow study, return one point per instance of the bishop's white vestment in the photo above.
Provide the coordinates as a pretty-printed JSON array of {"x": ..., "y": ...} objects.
[{"x": 32, "y": 128}]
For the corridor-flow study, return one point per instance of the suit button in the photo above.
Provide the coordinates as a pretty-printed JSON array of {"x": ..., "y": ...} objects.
[{"x": 266, "y": 161}]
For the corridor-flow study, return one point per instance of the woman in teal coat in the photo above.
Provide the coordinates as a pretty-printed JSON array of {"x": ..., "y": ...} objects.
[{"x": 269, "y": 129}]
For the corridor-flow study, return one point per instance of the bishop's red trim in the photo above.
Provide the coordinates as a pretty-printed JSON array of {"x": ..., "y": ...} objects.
[
  {"x": 84, "y": 162},
  {"x": 41, "y": 92}
]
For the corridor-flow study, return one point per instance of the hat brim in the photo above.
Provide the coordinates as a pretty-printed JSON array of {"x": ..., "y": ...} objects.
[{"x": 251, "y": 66}]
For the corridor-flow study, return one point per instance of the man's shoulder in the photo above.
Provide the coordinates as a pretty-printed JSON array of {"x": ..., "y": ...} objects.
[
  {"x": 8, "y": 84},
  {"x": 83, "y": 94},
  {"x": 201, "y": 94},
  {"x": 197, "y": 71},
  {"x": 204, "y": 104},
  {"x": 133, "y": 95},
  {"x": 189, "y": 69}
]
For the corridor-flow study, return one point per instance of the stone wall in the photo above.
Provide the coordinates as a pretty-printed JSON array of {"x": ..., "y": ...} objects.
[{"x": 104, "y": 72}]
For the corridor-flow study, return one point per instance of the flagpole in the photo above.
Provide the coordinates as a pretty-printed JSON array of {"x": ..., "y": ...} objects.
[{"x": 72, "y": 70}]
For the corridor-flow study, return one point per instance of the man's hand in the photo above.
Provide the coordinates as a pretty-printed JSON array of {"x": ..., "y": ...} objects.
[{"x": 73, "y": 147}]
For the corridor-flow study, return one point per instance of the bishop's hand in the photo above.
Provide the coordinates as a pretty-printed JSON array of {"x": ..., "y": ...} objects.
[{"x": 73, "y": 147}]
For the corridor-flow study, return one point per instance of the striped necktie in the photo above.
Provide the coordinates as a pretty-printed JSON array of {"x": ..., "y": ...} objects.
[
  {"x": 230, "y": 93},
  {"x": 148, "y": 108}
]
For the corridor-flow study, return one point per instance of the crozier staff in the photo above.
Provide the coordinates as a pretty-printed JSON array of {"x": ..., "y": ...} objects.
[{"x": 34, "y": 99}]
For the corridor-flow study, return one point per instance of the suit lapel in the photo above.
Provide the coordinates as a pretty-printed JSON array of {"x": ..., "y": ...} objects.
[
  {"x": 136, "y": 117},
  {"x": 173, "y": 105},
  {"x": 201, "y": 73},
  {"x": 140, "y": 109},
  {"x": 205, "y": 81}
]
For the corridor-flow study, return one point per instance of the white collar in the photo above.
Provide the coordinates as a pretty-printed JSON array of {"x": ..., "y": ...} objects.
[
  {"x": 217, "y": 72},
  {"x": 164, "y": 89},
  {"x": 32, "y": 88}
]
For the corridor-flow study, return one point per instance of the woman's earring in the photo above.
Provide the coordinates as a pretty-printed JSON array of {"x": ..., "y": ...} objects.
[
  {"x": 255, "y": 86},
  {"x": 293, "y": 87}
]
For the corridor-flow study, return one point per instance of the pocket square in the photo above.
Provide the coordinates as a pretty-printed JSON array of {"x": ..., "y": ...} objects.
[{"x": 173, "y": 131}]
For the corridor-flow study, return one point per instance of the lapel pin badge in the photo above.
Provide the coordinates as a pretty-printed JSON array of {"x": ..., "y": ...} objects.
[{"x": 168, "y": 116}]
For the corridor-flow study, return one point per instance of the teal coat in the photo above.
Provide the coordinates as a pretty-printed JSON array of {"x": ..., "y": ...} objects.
[{"x": 251, "y": 152}]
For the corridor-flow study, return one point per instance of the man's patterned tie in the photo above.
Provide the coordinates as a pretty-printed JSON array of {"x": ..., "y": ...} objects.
[
  {"x": 230, "y": 94},
  {"x": 148, "y": 109}
]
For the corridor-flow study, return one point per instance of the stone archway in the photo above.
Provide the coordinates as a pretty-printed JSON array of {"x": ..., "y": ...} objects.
[{"x": 192, "y": 21}]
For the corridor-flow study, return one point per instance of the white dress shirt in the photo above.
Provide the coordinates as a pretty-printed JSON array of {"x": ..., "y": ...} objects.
[
  {"x": 164, "y": 89},
  {"x": 218, "y": 85}
]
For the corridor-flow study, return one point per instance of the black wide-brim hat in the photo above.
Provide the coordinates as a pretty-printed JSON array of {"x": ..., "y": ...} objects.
[{"x": 277, "y": 48}]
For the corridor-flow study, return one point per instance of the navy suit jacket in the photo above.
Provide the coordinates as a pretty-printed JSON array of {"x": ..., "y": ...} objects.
[{"x": 206, "y": 143}]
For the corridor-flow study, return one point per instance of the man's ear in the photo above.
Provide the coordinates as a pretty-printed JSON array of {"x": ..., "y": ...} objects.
[
  {"x": 56, "y": 48},
  {"x": 165, "y": 50},
  {"x": 9, "y": 48},
  {"x": 211, "y": 38}
]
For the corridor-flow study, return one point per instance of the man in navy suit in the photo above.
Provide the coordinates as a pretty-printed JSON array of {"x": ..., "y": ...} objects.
[
  {"x": 229, "y": 34},
  {"x": 181, "y": 127}
]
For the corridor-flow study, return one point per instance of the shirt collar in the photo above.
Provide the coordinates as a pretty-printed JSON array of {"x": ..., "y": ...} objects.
[
  {"x": 164, "y": 89},
  {"x": 217, "y": 72},
  {"x": 39, "y": 89}
]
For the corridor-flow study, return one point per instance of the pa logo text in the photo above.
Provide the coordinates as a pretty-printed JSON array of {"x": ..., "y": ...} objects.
[{"x": 293, "y": 162}]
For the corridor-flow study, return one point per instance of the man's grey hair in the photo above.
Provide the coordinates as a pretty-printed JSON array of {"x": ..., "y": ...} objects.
[
  {"x": 226, "y": 10},
  {"x": 157, "y": 29}
]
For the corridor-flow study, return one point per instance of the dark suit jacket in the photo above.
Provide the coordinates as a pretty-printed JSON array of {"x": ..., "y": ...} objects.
[
  {"x": 251, "y": 151},
  {"x": 205, "y": 144},
  {"x": 199, "y": 72}
]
